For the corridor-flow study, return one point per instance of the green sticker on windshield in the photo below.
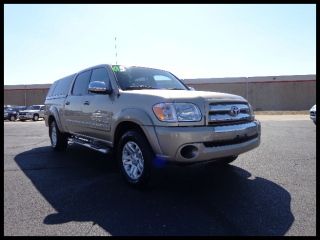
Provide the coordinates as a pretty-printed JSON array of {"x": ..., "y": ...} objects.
[{"x": 116, "y": 68}]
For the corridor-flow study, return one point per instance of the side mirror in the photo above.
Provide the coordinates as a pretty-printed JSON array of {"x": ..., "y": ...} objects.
[
  {"x": 191, "y": 88},
  {"x": 99, "y": 87}
]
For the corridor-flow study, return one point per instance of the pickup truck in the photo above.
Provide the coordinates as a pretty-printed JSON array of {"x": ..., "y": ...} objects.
[
  {"x": 33, "y": 112},
  {"x": 147, "y": 116}
]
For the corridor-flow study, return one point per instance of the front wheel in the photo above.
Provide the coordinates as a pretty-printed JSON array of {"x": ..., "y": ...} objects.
[
  {"x": 59, "y": 140},
  {"x": 35, "y": 117},
  {"x": 12, "y": 118},
  {"x": 227, "y": 160},
  {"x": 222, "y": 161},
  {"x": 135, "y": 156}
]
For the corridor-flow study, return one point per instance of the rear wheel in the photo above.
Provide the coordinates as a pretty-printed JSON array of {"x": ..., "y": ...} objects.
[
  {"x": 135, "y": 156},
  {"x": 59, "y": 140}
]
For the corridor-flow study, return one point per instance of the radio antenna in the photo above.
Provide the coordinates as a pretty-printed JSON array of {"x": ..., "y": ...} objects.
[{"x": 115, "y": 48}]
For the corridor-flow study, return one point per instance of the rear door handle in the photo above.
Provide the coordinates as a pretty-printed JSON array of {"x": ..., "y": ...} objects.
[
  {"x": 67, "y": 103},
  {"x": 86, "y": 103}
]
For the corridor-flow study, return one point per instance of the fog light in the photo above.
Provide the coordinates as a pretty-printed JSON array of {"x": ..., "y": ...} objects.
[{"x": 189, "y": 151}]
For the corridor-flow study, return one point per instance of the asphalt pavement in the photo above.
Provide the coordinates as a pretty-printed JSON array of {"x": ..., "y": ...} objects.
[{"x": 270, "y": 190}]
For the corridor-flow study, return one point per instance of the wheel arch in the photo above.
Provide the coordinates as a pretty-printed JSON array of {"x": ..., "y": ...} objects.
[
  {"x": 54, "y": 116},
  {"x": 135, "y": 118},
  {"x": 123, "y": 127}
]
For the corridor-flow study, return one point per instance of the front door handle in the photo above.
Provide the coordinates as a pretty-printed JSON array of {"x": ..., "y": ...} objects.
[
  {"x": 86, "y": 103},
  {"x": 67, "y": 103}
]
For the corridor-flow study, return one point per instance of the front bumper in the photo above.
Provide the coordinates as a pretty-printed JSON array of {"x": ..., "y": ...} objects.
[
  {"x": 313, "y": 116},
  {"x": 208, "y": 142},
  {"x": 25, "y": 117}
]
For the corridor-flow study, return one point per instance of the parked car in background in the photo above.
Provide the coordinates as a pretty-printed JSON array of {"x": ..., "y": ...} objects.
[
  {"x": 313, "y": 114},
  {"x": 33, "y": 112},
  {"x": 12, "y": 113}
]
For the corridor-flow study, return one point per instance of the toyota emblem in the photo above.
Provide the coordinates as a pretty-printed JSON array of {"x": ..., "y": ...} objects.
[{"x": 234, "y": 111}]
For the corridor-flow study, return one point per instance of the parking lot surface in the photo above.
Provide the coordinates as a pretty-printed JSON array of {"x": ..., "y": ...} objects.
[{"x": 270, "y": 190}]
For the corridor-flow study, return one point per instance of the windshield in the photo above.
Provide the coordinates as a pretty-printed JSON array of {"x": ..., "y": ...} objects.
[
  {"x": 130, "y": 78},
  {"x": 34, "y": 107}
]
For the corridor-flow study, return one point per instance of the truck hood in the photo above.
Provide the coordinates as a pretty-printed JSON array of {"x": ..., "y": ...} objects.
[{"x": 185, "y": 94}]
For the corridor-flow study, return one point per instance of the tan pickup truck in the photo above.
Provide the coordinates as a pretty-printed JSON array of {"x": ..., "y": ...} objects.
[{"x": 147, "y": 117}]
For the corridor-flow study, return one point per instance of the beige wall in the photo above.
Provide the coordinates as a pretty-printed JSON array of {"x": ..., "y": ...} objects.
[
  {"x": 25, "y": 97},
  {"x": 264, "y": 93},
  {"x": 269, "y": 96}
]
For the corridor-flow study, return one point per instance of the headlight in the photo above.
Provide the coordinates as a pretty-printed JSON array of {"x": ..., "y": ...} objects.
[
  {"x": 251, "y": 112},
  {"x": 177, "y": 112}
]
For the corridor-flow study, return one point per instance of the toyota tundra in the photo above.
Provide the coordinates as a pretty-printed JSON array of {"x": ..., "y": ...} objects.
[{"x": 147, "y": 116}]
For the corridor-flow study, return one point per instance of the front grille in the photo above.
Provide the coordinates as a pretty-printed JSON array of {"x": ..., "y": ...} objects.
[
  {"x": 237, "y": 140},
  {"x": 223, "y": 114}
]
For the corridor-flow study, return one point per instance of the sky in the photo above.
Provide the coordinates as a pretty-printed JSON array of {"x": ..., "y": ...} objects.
[{"x": 45, "y": 42}]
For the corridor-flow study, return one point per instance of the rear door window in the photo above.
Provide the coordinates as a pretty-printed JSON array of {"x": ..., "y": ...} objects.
[
  {"x": 63, "y": 86},
  {"x": 50, "y": 92}
]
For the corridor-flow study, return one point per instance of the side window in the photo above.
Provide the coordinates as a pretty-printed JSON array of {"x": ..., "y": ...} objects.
[
  {"x": 42, "y": 108},
  {"x": 80, "y": 86},
  {"x": 63, "y": 86},
  {"x": 60, "y": 87},
  {"x": 50, "y": 92},
  {"x": 100, "y": 74}
]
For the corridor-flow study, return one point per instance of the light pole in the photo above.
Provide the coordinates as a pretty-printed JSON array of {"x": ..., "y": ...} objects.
[{"x": 115, "y": 48}]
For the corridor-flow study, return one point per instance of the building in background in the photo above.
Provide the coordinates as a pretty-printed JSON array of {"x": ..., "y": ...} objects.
[{"x": 269, "y": 93}]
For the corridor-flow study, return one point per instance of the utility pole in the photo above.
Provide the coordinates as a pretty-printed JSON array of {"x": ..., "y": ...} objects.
[
  {"x": 115, "y": 48},
  {"x": 25, "y": 95}
]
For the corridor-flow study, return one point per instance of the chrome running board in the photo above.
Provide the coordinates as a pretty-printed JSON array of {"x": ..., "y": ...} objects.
[{"x": 86, "y": 143}]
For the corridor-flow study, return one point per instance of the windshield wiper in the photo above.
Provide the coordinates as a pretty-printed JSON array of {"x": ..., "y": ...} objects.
[{"x": 139, "y": 87}]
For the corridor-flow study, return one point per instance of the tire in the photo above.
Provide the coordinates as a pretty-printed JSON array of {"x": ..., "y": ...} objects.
[
  {"x": 35, "y": 117},
  {"x": 134, "y": 152},
  {"x": 59, "y": 141},
  {"x": 12, "y": 118},
  {"x": 223, "y": 161},
  {"x": 227, "y": 160}
]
